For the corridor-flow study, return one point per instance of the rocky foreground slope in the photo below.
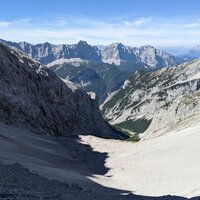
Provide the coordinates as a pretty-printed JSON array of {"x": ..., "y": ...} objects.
[
  {"x": 165, "y": 165},
  {"x": 33, "y": 97},
  {"x": 149, "y": 102},
  {"x": 63, "y": 168}
]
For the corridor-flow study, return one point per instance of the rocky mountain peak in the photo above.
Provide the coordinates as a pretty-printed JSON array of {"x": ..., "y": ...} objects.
[
  {"x": 115, "y": 45},
  {"x": 194, "y": 52},
  {"x": 147, "y": 47},
  {"x": 82, "y": 43}
]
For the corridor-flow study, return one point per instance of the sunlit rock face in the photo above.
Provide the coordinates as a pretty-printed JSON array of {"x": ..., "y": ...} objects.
[
  {"x": 148, "y": 102},
  {"x": 47, "y": 53},
  {"x": 118, "y": 54}
]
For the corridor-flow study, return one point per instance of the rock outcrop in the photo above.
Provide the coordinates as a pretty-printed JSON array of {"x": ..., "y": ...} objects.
[{"x": 33, "y": 97}]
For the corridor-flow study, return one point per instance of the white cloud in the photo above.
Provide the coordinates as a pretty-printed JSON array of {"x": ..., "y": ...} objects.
[
  {"x": 4, "y": 24},
  {"x": 195, "y": 24},
  {"x": 142, "y": 20},
  {"x": 136, "y": 32},
  {"x": 138, "y": 22}
]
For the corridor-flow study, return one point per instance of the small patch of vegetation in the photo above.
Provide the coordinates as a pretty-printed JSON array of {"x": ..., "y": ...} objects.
[
  {"x": 197, "y": 94},
  {"x": 190, "y": 99},
  {"x": 135, "y": 126},
  {"x": 134, "y": 138}
]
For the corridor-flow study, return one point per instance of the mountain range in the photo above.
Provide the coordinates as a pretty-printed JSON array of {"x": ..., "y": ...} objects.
[
  {"x": 34, "y": 98},
  {"x": 190, "y": 54},
  {"x": 107, "y": 72},
  {"x": 100, "y": 71},
  {"x": 115, "y": 53},
  {"x": 143, "y": 101},
  {"x": 194, "y": 52}
]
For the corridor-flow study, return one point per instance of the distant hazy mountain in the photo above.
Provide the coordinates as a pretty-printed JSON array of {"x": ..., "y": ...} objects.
[
  {"x": 184, "y": 58},
  {"x": 175, "y": 51},
  {"x": 194, "y": 52},
  {"x": 150, "y": 101},
  {"x": 189, "y": 55},
  {"x": 34, "y": 98}
]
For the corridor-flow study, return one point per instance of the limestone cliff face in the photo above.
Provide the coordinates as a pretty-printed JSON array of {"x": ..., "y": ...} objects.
[
  {"x": 80, "y": 53},
  {"x": 118, "y": 53},
  {"x": 47, "y": 53},
  {"x": 33, "y": 97},
  {"x": 152, "y": 101}
]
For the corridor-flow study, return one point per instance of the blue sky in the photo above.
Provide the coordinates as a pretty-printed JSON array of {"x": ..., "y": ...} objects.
[{"x": 164, "y": 23}]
